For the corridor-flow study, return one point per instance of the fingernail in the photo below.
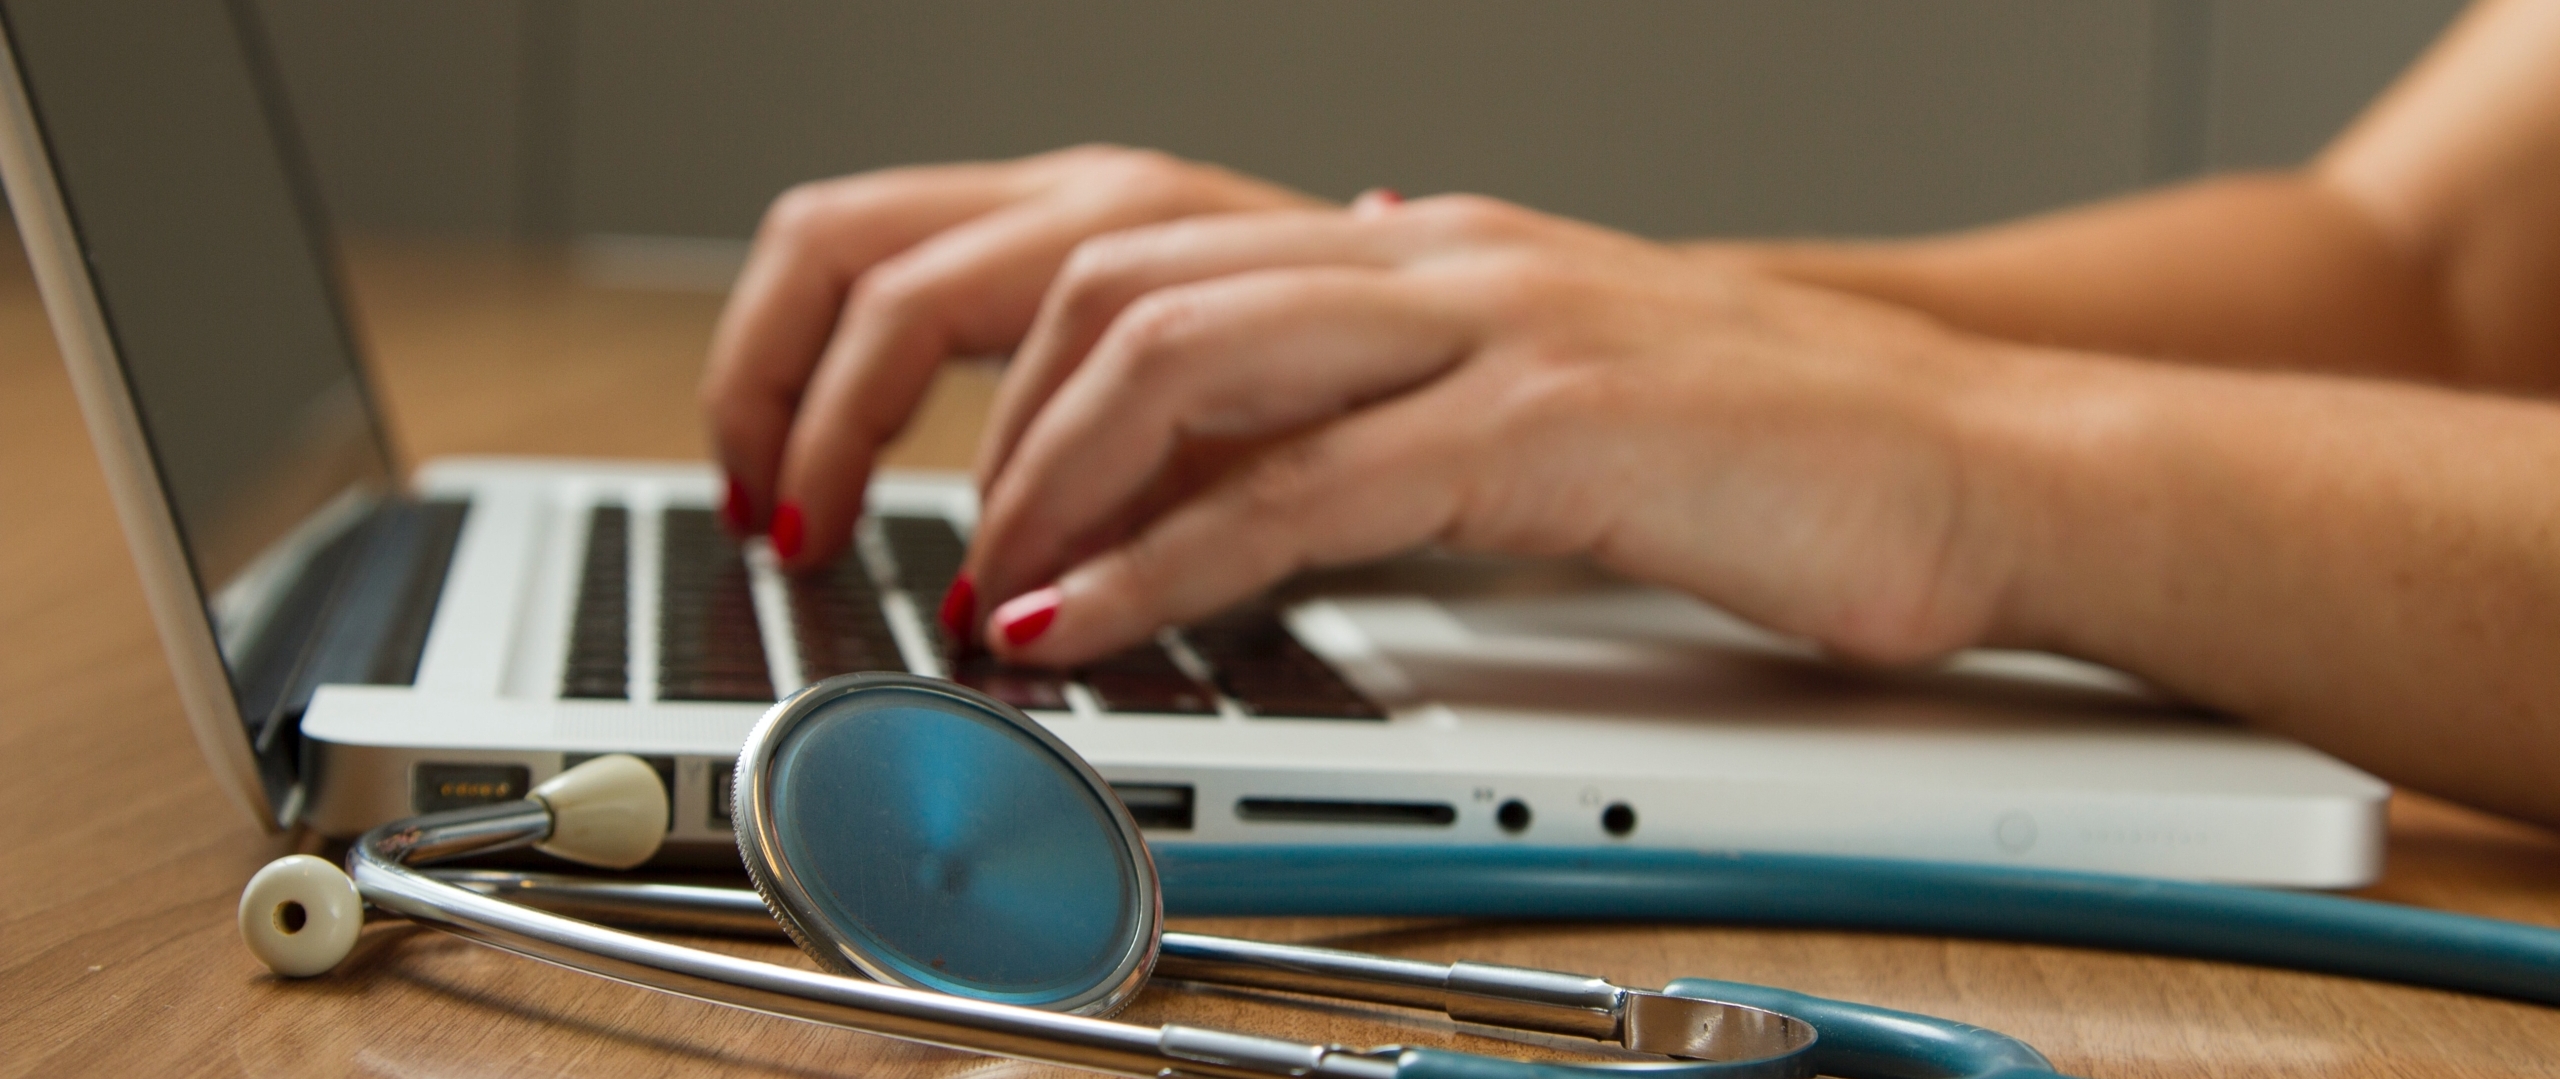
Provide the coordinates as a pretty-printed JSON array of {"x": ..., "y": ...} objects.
[
  {"x": 1376, "y": 200},
  {"x": 1024, "y": 618},
  {"x": 736, "y": 510},
  {"x": 959, "y": 608},
  {"x": 788, "y": 530}
]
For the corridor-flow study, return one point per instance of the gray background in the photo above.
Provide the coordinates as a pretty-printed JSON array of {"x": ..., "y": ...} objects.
[{"x": 552, "y": 118}]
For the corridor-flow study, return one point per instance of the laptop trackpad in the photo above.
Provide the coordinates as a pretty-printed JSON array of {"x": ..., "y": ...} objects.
[{"x": 1604, "y": 648}]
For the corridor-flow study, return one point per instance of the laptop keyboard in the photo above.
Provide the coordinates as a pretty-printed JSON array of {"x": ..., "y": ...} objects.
[{"x": 710, "y": 649}]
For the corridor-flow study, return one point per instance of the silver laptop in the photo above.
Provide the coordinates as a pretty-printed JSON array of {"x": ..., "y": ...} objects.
[{"x": 354, "y": 644}]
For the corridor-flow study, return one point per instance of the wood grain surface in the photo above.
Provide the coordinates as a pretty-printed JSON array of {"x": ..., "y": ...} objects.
[{"x": 121, "y": 865}]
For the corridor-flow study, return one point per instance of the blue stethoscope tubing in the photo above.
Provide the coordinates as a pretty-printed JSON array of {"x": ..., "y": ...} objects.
[{"x": 2293, "y": 930}]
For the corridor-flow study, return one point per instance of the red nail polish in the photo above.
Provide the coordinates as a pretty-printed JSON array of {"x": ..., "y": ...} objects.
[
  {"x": 737, "y": 510},
  {"x": 1375, "y": 201},
  {"x": 789, "y": 526},
  {"x": 960, "y": 609},
  {"x": 1024, "y": 618}
]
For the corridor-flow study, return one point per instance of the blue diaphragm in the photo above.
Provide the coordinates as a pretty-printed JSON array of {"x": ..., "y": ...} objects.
[{"x": 934, "y": 837}]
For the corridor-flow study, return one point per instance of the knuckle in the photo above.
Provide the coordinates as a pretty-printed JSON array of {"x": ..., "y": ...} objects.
[
  {"x": 735, "y": 422},
  {"x": 1150, "y": 179},
  {"x": 1512, "y": 282},
  {"x": 799, "y": 210},
  {"x": 712, "y": 395},
  {"x": 892, "y": 291},
  {"x": 1095, "y": 275},
  {"x": 1284, "y": 479},
  {"x": 1476, "y": 216},
  {"x": 1147, "y": 567},
  {"x": 726, "y": 395},
  {"x": 1149, "y": 337},
  {"x": 1143, "y": 163},
  {"x": 1087, "y": 154},
  {"x": 1549, "y": 389}
]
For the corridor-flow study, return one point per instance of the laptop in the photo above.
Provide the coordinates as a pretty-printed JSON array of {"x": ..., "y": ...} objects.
[{"x": 356, "y": 642}]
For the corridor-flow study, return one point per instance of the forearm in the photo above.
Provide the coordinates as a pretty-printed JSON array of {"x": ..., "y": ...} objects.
[
  {"x": 2276, "y": 270},
  {"x": 2371, "y": 568}
]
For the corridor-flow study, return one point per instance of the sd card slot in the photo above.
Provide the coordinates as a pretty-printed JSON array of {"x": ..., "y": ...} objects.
[{"x": 1337, "y": 811}]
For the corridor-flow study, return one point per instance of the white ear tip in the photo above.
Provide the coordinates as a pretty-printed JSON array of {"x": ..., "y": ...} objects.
[
  {"x": 300, "y": 915},
  {"x": 610, "y": 812}
]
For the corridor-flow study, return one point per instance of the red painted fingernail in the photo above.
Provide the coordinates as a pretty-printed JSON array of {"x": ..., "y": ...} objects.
[
  {"x": 1375, "y": 201},
  {"x": 1024, "y": 618},
  {"x": 959, "y": 608},
  {"x": 789, "y": 526},
  {"x": 737, "y": 510}
]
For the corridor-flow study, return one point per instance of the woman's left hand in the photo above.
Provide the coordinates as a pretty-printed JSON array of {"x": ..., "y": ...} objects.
[{"x": 1205, "y": 406}]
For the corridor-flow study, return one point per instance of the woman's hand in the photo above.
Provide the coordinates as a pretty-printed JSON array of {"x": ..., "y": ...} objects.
[
  {"x": 858, "y": 288},
  {"x": 1204, "y": 406}
]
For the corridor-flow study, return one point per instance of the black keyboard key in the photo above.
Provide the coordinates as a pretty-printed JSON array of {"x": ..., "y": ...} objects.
[
  {"x": 1259, "y": 663},
  {"x": 1177, "y": 695},
  {"x": 599, "y": 663},
  {"x": 1145, "y": 679},
  {"x": 928, "y": 552},
  {"x": 836, "y": 620},
  {"x": 709, "y": 645},
  {"x": 1021, "y": 687},
  {"x": 1292, "y": 704},
  {"x": 580, "y": 684},
  {"x": 757, "y": 689}
]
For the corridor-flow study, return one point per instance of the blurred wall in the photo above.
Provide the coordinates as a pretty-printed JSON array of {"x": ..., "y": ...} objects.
[{"x": 1671, "y": 117}]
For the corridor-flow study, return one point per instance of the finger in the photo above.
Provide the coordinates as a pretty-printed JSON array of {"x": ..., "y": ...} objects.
[
  {"x": 970, "y": 289},
  {"x": 1375, "y": 202},
  {"x": 1105, "y": 274},
  {"x": 1362, "y": 487},
  {"x": 814, "y": 243},
  {"x": 1237, "y": 357}
]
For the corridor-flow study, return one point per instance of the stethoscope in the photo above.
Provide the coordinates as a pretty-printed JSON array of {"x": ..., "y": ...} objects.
[{"x": 966, "y": 880}]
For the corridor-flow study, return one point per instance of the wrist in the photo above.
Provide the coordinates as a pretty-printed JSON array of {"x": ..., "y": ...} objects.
[
  {"x": 2049, "y": 445},
  {"x": 1876, "y": 269}
]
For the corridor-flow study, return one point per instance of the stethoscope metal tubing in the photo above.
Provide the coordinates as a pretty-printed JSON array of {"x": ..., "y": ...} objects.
[
  {"x": 1581, "y": 1005},
  {"x": 1543, "y": 1001},
  {"x": 468, "y": 907},
  {"x": 907, "y": 1014},
  {"x": 629, "y": 904}
]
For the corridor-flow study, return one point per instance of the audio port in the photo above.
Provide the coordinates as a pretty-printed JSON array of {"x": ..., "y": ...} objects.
[
  {"x": 1619, "y": 818},
  {"x": 1513, "y": 816}
]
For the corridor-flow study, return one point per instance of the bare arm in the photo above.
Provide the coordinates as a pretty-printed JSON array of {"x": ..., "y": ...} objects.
[
  {"x": 2371, "y": 567},
  {"x": 2425, "y": 243}
]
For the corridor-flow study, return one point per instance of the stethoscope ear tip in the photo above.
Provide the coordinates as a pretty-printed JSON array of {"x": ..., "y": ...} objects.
[
  {"x": 609, "y": 812},
  {"x": 300, "y": 915}
]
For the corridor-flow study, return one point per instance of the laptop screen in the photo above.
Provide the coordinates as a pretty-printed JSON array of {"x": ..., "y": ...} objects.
[{"x": 209, "y": 264}]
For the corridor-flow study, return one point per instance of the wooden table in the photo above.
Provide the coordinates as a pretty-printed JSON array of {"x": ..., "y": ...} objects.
[{"x": 121, "y": 865}]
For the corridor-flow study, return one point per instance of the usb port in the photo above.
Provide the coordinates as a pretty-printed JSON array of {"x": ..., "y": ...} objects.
[
  {"x": 1157, "y": 806},
  {"x": 1331, "y": 811},
  {"x": 724, "y": 792}
]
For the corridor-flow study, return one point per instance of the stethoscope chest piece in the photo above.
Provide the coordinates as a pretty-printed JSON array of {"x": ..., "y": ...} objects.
[{"x": 909, "y": 830}]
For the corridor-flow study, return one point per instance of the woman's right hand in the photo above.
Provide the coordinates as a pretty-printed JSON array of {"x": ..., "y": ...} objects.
[{"x": 858, "y": 288}]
